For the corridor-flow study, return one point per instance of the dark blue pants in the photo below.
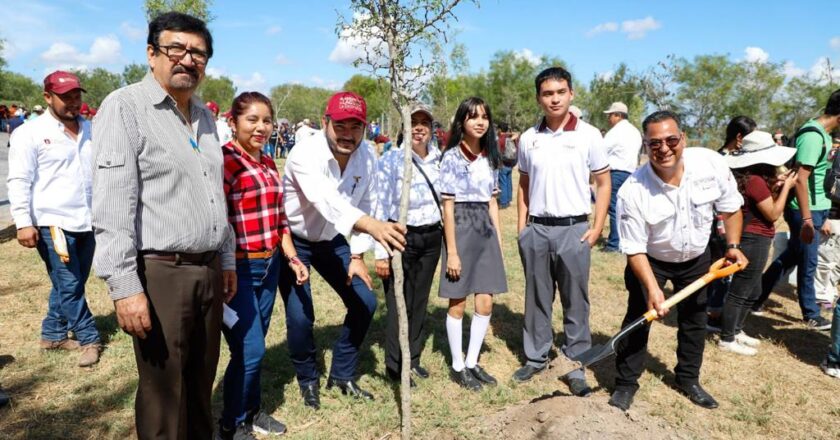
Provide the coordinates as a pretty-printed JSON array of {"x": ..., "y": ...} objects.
[
  {"x": 68, "y": 310},
  {"x": 801, "y": 255},
  {"x": 253, "y": 303},
  {"x": 617, "y": 178},
  {"x": 331, "y": 259},
  {"x": 505, "y": 186}
]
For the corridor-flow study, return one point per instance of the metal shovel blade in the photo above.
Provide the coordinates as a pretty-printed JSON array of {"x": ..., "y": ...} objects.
[{"x": 601, "y": 352}]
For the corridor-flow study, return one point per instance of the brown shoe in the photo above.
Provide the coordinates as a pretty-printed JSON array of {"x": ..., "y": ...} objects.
[
  {"x": 64, "y": 344},
  {"x": 90, "y": 354}
]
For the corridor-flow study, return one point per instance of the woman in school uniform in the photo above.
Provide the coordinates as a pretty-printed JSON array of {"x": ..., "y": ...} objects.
[
  {"x": 472, "y": 260},
  {"x": 263, "y": 242}
]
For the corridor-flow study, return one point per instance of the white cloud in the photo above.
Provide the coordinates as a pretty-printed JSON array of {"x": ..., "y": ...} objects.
[
  {"x": 606, "y": 76},
  {"x": 273, "y": 30},
  {"x": 834, "y": 43},
  {"x": 214, "y": 71},
  {"x": 256, "y": 82},
  {"x": 757, "y": 55},
  {"x": 132, "y": 32},
  {"x": 350, "y": 47},
  {"x": 637, "y": 29},
  {"x": 104, "y": 50},
  {"x": 819, "y": 71},
  {"x": 327, "y": 84},
  {"x": 791, "y": 71},
  {"x": 529, "y": 56},
  {"x": 282, "y": 59},
  {"x": 609, "y": 26}
]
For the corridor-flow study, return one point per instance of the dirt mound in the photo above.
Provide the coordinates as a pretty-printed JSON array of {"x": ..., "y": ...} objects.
[{"x": 561, "y": 416}]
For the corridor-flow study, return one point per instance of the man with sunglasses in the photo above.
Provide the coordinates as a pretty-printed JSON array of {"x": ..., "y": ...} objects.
[
  {"x": 164, "y": 244},
  {"x": 666, "y": 209}
]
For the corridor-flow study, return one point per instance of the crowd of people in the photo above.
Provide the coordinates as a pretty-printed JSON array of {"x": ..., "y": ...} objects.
[{"x": 183, "y": 213}]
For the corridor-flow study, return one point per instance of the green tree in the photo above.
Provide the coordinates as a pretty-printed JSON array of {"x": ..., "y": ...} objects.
[
  {"x": 376, "y": 92},
  {"x": 296, "y": 102},
  {"x": 799, "y": 99},
  {"x": 20, "y": 89},
  {"x": 133, "y": 73},
  {"x": 220, "y": 90},
  {"x": 196, "y": 8},
  {"x": 3, "y": 63},
  {"x": 98, "y": 83}
]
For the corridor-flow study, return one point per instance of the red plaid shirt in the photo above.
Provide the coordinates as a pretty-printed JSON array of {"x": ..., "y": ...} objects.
[{"x": 254, "y": 199}]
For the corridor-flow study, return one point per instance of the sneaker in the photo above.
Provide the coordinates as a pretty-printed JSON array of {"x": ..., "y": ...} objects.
[
  {"x": 743, "y": 339},
  {"x": 240, "y": 433},
  {"x": 758, "y": 312},
  {"x": 263, "y": 423},
  {"x": 737, "y": 348},
  {"x": 818, "y": 323},
  {"x": 831, "y": 368},
  {"x": 90, "y": 354},
  {"x": 64, "y": 344}
]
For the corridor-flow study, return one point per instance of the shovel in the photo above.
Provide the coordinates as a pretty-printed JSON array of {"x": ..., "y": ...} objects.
[{"x": 600, "y": 352}]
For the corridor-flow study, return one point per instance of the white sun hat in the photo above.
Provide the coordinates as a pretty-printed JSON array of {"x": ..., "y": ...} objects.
[{"x": 759, "y": 147}]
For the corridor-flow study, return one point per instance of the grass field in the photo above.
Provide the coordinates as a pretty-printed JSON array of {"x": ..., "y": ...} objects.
[{"x": 781, "y": 393}]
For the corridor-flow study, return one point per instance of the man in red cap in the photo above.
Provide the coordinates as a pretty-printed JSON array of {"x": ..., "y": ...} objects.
[
  {"x": 50, "y": 197},
  {"x": 328, "y": 190},
  {"x": 84, "y": 111}
]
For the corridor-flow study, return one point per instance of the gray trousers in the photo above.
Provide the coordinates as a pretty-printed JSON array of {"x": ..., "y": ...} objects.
[{"x": 554, "y": 256}]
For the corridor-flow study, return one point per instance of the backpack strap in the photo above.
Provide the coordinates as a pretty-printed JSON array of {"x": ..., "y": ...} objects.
[{"x": 428, "y": 182}]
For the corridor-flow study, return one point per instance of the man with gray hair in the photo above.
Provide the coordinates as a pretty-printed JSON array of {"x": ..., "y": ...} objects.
[{"x": 623, "y": 143}]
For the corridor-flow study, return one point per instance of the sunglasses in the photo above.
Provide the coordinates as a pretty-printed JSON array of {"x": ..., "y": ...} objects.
[{"x": 670, "y": 141}]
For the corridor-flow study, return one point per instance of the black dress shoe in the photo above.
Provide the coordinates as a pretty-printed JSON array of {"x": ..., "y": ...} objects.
[
  {"x": 579, "y": 387},
  {"x": 698, "y": 396},
  {"x": 420, "y": 372},
  {"x": 622, "y": 399},
  {"x": 527, "y": 372},
  {"x": 311, "y": 397},
  {"x": 349, "y": 388},
  {"x": 395, "y": 377},
  {"x": 482, "y": 375},
  {"x": 466, "y": 379}
]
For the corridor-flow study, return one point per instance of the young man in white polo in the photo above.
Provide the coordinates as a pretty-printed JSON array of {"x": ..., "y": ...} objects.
[
  {"x": 556, "y": 159},
  {"x": 665, "y": 212}
]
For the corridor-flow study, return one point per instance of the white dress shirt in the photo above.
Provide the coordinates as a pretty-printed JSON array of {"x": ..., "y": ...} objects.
[
  {"x": 422, "y": 208},
  {"x": 558, "y": 165},
  {"x": 321, "y": 201},
  {"x": 467, "y": 181},
  {"x": 50, "y": 175},
  {"x": 304, "y": 132},
  {"x": 673, "y": 223},
  {"x": 623, "y": 143}
]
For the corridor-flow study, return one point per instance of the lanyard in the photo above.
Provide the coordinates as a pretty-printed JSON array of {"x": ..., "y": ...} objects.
[{"x": 194, "y": 145}]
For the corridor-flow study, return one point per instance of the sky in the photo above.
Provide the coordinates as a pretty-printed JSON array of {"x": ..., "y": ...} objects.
[{"x": 260, "y": 44}]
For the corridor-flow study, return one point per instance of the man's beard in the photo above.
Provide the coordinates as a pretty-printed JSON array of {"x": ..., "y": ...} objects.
[
  {"x": 190, "y": 81},
  {"x": 337, "y": 149}
]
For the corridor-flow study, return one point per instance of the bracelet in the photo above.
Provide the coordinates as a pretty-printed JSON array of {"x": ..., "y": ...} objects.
[
  {"x": 294, "y": 260},
  {"x": 733, "y": 246},
  {"x": 807, "y": 218}
]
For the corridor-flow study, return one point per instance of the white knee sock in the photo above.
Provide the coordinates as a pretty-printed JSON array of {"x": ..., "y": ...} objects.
[
  {"x": 454, "y": 333},
  {"x": 478, "y": 328}
]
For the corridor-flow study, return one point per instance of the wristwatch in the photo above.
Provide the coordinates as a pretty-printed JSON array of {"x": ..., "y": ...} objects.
[{"x": 733, "y": 246}]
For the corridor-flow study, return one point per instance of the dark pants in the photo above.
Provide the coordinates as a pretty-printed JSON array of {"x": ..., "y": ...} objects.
[
  {"x": 746, "y": 285},
  {"x": 68, "y": 310},
  {"x": 617, "y": 177},
  {"x": 422, "y": 252},
  {"x": 256, "y": 289},
  {"x": 716, "y": 290},
  {"x": 177, "y": 360},
  {"x": 331, "y": 259},
  {"x": 804, "y": 257},
  {"x": 691, "y": 320},
  {"x": 505, "y": 186}
]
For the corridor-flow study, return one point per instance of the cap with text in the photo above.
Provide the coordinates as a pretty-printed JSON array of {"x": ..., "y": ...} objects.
[
  {"x": 617, "y": 107},
  {"x": 346, "y": 105},
  {"x": 61, "y": 82}
]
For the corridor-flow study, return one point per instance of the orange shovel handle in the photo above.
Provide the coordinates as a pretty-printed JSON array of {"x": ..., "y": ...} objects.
[{"x": 716, "y": 271}]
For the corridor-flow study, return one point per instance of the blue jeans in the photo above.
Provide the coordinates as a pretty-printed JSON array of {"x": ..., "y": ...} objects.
[
  {"x": 253, "y": 303},
  {"x": 505, "y": 186},
  {"x": 331, "y": 259},
  {"x": 801, "y": 255},
  {"x": 834, "y": 348},
  {"x": 68, "y": 310},
  {"x": 617, "y": 177}
]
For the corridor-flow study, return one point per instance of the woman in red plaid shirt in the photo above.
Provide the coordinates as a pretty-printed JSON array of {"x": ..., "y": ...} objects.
[{"x": 255, "y": 209}]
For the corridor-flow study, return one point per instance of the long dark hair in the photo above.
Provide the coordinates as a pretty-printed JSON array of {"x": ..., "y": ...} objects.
[
  {"x": 488, "y": 142},
  {"x": 742, "y": 125},
  {"x": 763, "y": 170}
]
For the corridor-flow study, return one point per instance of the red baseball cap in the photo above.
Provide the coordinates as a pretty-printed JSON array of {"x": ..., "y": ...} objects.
[
  {"x": 61, "y": 82},
  {"x": 84, "y": 109},
  {"x": 213, "y": 107},
  {"x": 346, "y": 105}
]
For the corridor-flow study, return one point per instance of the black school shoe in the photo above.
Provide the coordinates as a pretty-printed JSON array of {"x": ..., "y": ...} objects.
[
  {"x": 698, "y": 396},
  {"x": 420, "y": 372},
  {"x": 466, "y": 379},
  {"x": 394, "y": 376},
  {"x": 263, "y": 423},
  {"x": 482, "y": 375},
  {"x": 527, "y": 372},
  {"x": 622, "y": 399},
  {"x": 349, "y": 388}
]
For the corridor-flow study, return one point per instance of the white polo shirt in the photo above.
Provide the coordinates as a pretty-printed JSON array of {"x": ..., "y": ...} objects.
[
  {"x": 50, "y": 175},
  {"x": 673, "y": 223},
  {"x": 623, "y": 143},
  {"x": 465, "y": 180},
  {"x": 558, "y": 165},
  {"x": 321, "y": 201}
]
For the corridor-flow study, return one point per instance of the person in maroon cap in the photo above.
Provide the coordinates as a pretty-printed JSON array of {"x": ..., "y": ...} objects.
[
  {"x": 84, "y": 111},
  {"x": 50, "y": 198},
  {"x": 328, "y": 191}
]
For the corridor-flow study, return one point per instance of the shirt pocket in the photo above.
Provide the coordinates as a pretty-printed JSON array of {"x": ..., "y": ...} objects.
[
  {"x": 702, "y": 203},
  {"x": 110, "y": 159}
]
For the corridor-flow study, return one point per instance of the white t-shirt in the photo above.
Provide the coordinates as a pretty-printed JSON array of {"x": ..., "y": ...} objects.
[
  {"x": 558, "y": 165},
  {"x": 467, "y": 181},
  {"x": 673, "y": 223},
  {"x": 623, "y": 143}
]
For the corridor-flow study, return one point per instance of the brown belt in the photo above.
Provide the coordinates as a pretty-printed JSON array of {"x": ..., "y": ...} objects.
[
  {"x": 241, "y": 255},
  {"x": 199, "y": 259}
]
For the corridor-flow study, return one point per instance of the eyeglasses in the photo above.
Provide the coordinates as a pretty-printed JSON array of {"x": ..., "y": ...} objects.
[
  {"x": 176, "y": 52},
  {"x": 670, "y": 141}
]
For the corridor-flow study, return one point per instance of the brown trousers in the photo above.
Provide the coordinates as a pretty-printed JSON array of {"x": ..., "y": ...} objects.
[{"x": 177, "y": 360}]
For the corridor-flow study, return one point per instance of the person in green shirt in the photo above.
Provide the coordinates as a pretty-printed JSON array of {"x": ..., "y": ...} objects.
[{"x": 807, "y": 213}]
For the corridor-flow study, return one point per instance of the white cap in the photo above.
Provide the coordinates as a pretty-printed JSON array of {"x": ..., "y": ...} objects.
[{"x": 617, "y": 107}]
